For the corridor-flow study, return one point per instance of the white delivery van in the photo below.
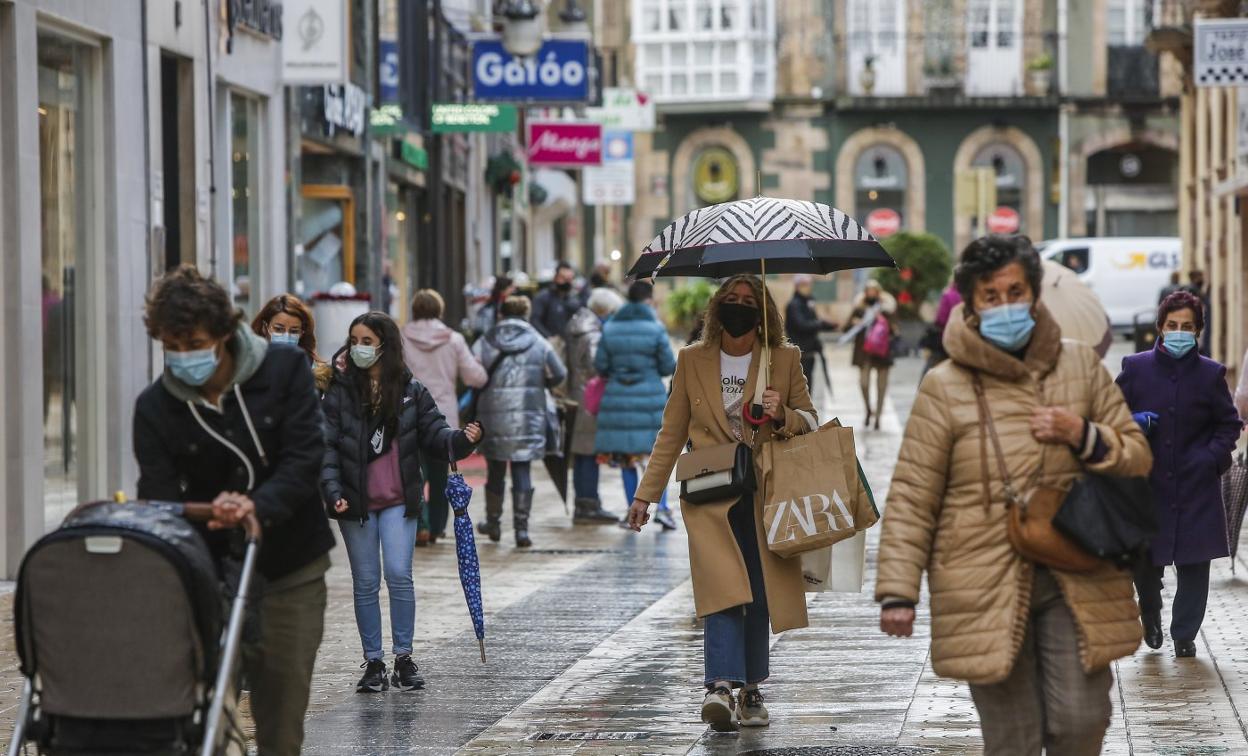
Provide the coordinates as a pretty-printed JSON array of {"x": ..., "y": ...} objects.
[{"x": 1127, "y": 273}]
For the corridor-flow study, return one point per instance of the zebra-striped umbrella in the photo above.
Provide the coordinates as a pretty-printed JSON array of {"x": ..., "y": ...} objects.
[{"x": 760, "y": 235}]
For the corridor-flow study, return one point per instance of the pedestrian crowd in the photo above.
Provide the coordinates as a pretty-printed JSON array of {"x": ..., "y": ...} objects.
[{"x": 1008, "y": 416}]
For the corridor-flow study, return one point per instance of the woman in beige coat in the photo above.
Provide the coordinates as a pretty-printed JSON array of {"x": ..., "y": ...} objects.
[
  {"x": 1035, "y": 643},
  {"x": 738, "y": 584}
]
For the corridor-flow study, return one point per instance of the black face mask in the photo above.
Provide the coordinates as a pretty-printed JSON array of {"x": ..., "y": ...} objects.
[
  {"x": 738, "y": 319},
  {"x": 565, "y": 286},
  {"x": 872, "y": 300}
]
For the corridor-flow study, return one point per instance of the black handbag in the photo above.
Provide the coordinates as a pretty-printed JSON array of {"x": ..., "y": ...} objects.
[
  {"x": 716, "y": 473},
  {"x": 1113, "y": 518},
  {"x": 472, "y": 397}
]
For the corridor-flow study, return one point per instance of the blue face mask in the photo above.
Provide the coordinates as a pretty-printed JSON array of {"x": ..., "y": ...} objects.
[
  {"x": 284, "y": 338},
  {"x": 1007, "y": 326},
  {"x": 193, "y": 368},
  {"x": 1178, "y": 343},
  {"x": 364, "y": 356}
]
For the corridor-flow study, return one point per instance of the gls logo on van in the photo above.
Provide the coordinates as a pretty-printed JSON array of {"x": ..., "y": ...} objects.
[
  {"x": 803, "y": 514},
  {"x": 1147, "y": 261}
]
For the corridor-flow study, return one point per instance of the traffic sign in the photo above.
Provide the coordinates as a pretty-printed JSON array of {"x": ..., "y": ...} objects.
[
  {"x": 1004, "y": 220},
  {"x": 883, "y": 222}
]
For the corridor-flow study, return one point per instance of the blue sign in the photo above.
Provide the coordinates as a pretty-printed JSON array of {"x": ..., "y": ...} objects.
[
  {"x": 388, "y": 70},
  {"x": 559, "y": 72},
  {"x": 617, "y": 146}
]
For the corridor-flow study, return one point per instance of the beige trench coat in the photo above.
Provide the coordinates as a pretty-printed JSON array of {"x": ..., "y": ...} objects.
[{"x": 695, "y": 412}]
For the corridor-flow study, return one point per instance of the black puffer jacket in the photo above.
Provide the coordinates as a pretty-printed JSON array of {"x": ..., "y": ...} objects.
[
  {"x": 422, "y": 430},
  {"x": 180, "y": 461}
]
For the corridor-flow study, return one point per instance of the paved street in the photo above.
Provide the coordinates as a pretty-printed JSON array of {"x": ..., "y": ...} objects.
[{"x": 593, "y": 648}]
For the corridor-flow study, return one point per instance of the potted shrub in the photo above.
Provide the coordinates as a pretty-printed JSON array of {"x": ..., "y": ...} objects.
[
  {"x": 866, "y": 79},
  {"x": 1040, "y": 69},
  {"x": 923, "y": 269}
]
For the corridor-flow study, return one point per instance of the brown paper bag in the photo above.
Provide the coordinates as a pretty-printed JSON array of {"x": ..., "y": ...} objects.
[{"x": 809, "y": 503}]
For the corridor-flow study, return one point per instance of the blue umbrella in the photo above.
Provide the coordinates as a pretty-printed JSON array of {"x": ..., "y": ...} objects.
[{"x": 459, "y": 495}]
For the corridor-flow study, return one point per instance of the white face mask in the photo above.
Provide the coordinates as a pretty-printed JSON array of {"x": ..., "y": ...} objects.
[{"x": 365, "y": 356}]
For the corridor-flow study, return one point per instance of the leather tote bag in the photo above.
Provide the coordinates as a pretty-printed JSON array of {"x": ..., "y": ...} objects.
[{"x": 1113, "y": 518}]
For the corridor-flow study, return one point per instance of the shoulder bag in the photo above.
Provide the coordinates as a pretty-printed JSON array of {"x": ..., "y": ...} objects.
[
  {"x": 716, "y": 473},
  {"x": 1030, "y": 519},
  {"x": 472, "y": 397}
]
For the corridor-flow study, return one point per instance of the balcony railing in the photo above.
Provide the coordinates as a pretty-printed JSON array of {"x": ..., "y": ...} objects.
[{"x": 1133, "y": 73}]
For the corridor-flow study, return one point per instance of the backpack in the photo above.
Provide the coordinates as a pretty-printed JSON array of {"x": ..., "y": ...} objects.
[{"x": 878, "y": 342}]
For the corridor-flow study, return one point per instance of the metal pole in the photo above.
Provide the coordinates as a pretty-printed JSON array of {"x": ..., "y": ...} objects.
[
  {"x": 23, "y": 712},
  {"x": 234, "y": 632}
]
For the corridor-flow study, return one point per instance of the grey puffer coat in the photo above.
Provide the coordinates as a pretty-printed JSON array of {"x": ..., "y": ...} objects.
[
  {"x": 583, "y": 334},
  {"x": 515, "y": 406}
]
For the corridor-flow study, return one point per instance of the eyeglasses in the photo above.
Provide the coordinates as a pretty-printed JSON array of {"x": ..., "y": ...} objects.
[{"x": 274, "y": 329}]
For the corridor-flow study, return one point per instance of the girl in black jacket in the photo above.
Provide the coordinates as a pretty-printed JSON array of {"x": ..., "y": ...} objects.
[{"x": 378, "y": 422}]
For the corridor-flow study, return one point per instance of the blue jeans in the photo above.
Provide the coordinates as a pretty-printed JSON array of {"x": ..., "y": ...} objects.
[
  {"x": 496, "y": 476},
  {"x": 631, "y": 478},
  {"x": 383, "y": 542},
  {"x": 585, "y": 476},
  {"x": 735, "y": 642}
]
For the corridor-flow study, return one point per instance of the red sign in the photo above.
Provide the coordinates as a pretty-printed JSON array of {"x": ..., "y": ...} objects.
[
  {"x": 883, "y": 222},
  {"x": 565, "y": 144},
  {"x": 1004, "y": 220}
]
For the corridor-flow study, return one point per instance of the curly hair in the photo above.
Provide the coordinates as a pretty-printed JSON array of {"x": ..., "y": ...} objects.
[
  {"x": 988, "y": 254},
  {"x": 288, "y": 304},
  {"x": 184, "y": 300},
  {"x": 713, "y": 328},
  {"x": 1182, "y": 300}
]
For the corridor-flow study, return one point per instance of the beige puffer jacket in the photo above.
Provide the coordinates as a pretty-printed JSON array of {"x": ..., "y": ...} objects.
[{"x": 935, "y": 518}]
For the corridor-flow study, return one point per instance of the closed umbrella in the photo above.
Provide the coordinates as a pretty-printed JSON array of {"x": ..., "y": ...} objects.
[
  {"x": 1076, "y": 308},
  {"x": 760, "y": 235},
  {"x": 458, "y": 495},
  {"x": 1235, "y": 502}
]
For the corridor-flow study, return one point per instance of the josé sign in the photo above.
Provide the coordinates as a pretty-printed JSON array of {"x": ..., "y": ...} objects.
[
  {"x": 568, "y": 144},
  {"x": 1220, "y": 52},
  {"x": 559, "y": 72}
]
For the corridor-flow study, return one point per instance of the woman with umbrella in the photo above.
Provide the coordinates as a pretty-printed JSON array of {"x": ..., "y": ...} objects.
[
  {"x": 379, "y": 424},
  {"x": 1013, "y": 406},
  {"x": 634, "y": 356},
  {"x": 1184, "y": 405},
  {"x": 739, "y": 584}
]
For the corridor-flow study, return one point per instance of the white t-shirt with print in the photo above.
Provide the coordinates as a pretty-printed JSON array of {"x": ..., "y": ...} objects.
[{"x": 733, "y": 374}]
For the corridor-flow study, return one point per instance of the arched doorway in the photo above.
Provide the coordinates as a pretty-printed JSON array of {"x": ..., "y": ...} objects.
[
  {"x": 881, "y": 183},
  {"x": 1011, "y": 179},
  {"x": 1131, "y": 191},
  {"x": 1019, "y": 170}
]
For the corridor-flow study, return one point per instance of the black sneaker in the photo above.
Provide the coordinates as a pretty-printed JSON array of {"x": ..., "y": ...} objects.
[
  {"x": 374, "y": 679},
  {"x": 406, "y": 675}
]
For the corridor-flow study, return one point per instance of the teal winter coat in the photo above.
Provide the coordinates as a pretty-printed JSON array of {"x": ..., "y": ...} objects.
[{"x": 634, "y": 355}]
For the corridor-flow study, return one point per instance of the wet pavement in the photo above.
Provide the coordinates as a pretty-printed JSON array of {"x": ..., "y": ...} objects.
[{"x": 593, "y": 648}]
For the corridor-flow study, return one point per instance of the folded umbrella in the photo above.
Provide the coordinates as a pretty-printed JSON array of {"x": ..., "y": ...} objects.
[
  {"x": 458, "y": 495},
  {"x": 1235, "y": 501}
]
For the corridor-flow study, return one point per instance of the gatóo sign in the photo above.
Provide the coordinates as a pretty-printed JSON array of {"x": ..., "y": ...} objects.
[{"x": 559, "y": 72}]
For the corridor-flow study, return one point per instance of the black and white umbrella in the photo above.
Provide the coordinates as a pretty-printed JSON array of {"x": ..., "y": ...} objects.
[{"x": 760, "y": 235}]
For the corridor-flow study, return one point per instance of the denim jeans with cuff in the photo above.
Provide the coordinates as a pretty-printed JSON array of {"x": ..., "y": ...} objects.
[
  {"x": 382, "y": 544},
  {"x": 736, "y": 641}
]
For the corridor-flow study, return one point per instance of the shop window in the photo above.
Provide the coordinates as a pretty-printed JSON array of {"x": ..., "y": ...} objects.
[
  {"x": 1011, "y": 172},
  {"x": 881, "y": 180},
  {"x": 327, "y": 235},
  {"x": 67, "y": 127},
  {"x": 245, "y": 221}
]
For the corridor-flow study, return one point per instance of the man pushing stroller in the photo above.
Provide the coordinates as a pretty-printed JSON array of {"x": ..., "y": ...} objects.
[{"x": 235, "y": 420}]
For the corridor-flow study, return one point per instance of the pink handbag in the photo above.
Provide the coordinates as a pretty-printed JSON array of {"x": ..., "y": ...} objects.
[
  {"x": 878, "y": 340},
  {"x": 594, "y": 389}
]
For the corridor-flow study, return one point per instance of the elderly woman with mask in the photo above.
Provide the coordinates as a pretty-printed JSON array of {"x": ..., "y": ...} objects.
[{"x": 1034, "y": 642}]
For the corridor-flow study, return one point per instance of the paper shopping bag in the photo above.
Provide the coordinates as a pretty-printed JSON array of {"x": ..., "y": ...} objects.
[
  {"x": 863, "y": 496},
  {"x": 837, "y": 568},
  {"x": 808, "y": 502}
]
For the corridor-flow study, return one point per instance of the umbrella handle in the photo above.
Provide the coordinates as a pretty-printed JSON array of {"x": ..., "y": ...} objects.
[{"x": 481, "y": 643}]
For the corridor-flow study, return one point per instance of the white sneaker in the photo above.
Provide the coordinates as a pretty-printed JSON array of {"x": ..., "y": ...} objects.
[
  {"x": 719, "y": 710},
  {"x": 750, "y": 710}
]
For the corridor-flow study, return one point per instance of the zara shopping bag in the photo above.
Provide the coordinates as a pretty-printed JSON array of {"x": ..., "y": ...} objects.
[{"x": 813, "y": 495}]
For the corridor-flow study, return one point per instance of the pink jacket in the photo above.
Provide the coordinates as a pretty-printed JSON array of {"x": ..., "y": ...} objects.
[{"x": 437, "y": 356}]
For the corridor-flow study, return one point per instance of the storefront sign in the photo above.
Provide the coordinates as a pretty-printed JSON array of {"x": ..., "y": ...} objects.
[
  {"x": 624, "y": 109},
  {"x": 883, "y": 222},
  {"x": 345, "y": 106},
  {"x": 451, "y": 117},
  {"x": 387, "y": 119},
  {"x": 1220, "y": 52},
  {"x": 1003, "y": 220},
  {"x": 414, "y": 156},
  {"x": 559, "y": 72},
  {"x": 565, "y": 144},
  {"x": 614, "y": 182},
  {"x": 388, "y": 70},
  {"x": 314, "y": 48}
]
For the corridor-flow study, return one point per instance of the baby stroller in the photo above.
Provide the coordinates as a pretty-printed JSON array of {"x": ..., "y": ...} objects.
[{"x": 118, "y": 618}]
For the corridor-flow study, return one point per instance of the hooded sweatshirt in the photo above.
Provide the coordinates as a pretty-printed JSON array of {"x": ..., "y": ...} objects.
[{"x": 438, "y": 357}]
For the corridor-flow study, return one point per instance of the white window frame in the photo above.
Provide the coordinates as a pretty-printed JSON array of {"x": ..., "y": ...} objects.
[{"x": 1134, "y": 21}]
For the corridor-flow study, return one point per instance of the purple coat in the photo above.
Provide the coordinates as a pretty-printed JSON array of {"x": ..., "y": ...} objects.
[{"x": 1192, "y": 445}]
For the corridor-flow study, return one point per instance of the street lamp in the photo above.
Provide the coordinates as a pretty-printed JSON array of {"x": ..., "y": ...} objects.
[
  {"x": 522, "y": 26},
  {"x": 574, "y": 19}
]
